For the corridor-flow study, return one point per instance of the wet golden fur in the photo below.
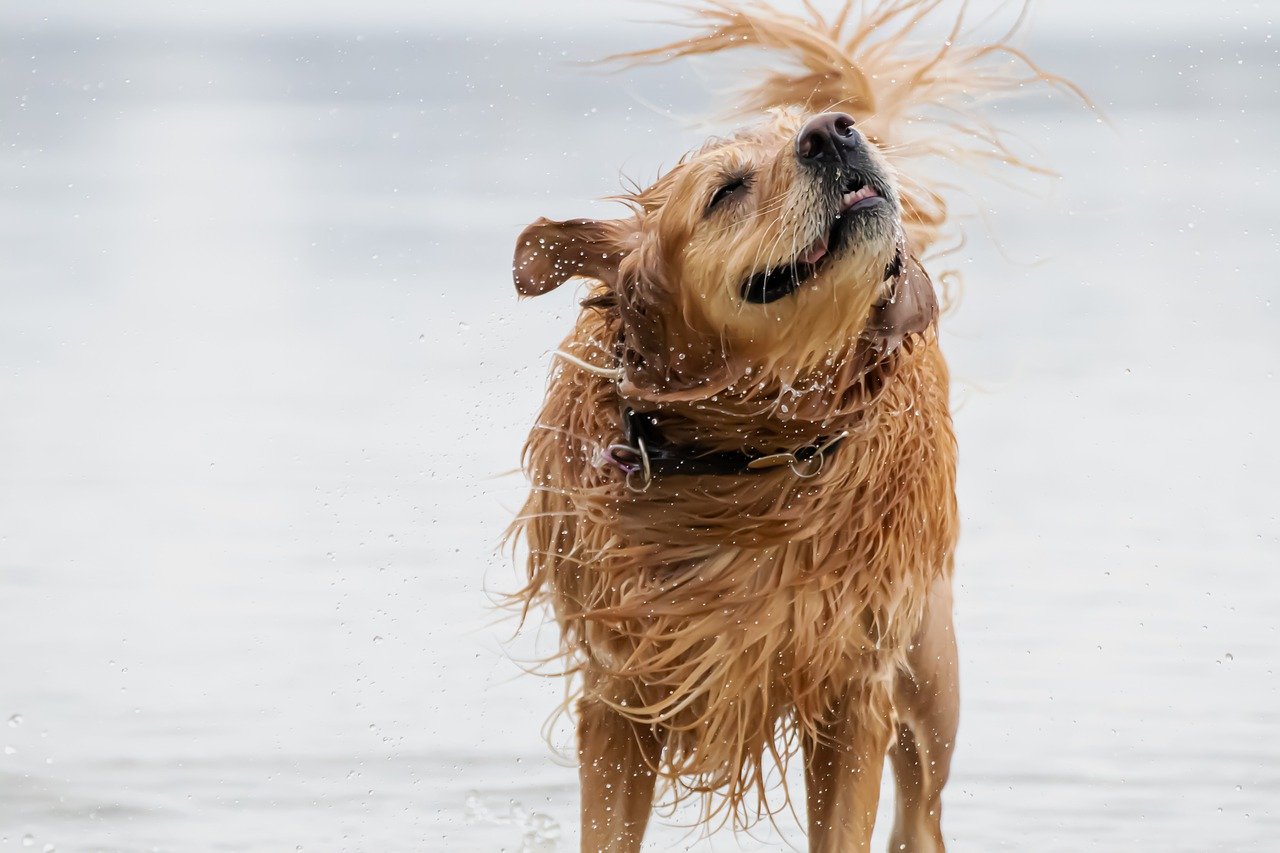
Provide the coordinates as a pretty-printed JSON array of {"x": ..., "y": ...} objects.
[{"x": 729, "y": 619}]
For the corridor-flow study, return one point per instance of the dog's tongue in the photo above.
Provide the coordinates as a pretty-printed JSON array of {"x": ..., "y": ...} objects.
[{"x": 817, "y": 249}]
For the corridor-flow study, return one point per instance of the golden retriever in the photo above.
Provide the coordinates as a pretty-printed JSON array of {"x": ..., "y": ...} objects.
[{"x": 743, "y": 511}]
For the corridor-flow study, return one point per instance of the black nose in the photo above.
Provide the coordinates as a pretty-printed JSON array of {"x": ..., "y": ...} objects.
[{"x": 829, "y": 137}]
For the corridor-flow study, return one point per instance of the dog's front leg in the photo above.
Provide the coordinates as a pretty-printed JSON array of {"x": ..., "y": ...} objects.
[
  {"x": 843, "y": 766},
  {"x": 616, "y": 758}
]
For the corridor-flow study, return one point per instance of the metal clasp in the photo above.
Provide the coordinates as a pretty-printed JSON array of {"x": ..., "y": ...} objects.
[
  {"x": 813, "y": 464},
  {"x": 633, "y": 462}
]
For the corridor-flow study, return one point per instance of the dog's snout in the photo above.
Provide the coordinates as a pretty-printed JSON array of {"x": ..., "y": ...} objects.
[{"x": 827, "y": 138}]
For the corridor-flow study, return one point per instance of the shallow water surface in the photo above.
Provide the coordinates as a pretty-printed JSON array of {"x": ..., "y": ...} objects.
[{"x": 264, "y": 374}]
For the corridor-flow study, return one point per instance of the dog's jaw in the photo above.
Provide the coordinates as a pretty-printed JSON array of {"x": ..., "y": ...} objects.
[
  {"x": 852, "y": 201},
  {"x": 856, "y": 219}
]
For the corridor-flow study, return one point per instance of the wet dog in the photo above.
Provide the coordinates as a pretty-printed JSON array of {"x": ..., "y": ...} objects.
[{"x": 742, "y": 511}]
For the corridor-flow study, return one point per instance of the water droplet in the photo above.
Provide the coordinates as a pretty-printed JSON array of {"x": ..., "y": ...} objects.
[
  {"x": 377, "y": 639},
  {"x": 28, "y": 840},
  {"x": 15, "y": 721}
]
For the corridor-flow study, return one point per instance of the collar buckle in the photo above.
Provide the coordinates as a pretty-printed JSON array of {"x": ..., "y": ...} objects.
[{"x": 632, "y": 461}]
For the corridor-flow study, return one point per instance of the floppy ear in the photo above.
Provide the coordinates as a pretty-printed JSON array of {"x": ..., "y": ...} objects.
[
  {"x": 549, "y": 253},
  {"x": 910, "y": 308}
]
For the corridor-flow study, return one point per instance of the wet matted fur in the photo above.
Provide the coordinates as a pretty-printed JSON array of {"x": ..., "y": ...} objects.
[{"x": 713, "y": 625}]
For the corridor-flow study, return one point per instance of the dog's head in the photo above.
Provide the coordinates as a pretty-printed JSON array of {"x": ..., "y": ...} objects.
[{"x": 758, "y": 256}]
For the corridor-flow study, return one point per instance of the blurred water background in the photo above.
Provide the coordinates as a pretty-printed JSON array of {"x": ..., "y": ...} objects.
[{"x": 262, "y": 368}]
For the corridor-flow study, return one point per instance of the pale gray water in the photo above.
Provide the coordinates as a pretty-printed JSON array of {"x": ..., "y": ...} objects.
[{"x": 260, "y": 364}]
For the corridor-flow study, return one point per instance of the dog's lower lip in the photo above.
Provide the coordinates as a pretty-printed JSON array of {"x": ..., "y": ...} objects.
[{"x": 863, "y": 204}]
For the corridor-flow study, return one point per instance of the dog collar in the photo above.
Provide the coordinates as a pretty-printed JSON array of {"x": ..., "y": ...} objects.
[{"x": 645, "y": 454}]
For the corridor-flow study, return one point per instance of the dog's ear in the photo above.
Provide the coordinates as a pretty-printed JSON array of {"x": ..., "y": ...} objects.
[
  {"x": 549, "y": 253},
  {"x": 910, "y": 308}
]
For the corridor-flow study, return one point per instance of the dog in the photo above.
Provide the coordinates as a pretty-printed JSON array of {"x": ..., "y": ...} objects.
[{"x": 742, "y": 509}]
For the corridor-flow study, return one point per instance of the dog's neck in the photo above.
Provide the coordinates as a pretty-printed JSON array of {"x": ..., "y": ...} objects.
[{"x": 736, "y": 431}]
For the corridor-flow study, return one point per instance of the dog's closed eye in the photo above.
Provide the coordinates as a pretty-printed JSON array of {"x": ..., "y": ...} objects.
[{"x": 731, "y": 186}]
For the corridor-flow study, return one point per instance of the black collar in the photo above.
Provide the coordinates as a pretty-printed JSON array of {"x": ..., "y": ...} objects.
[{"x": 645, "y": 454}]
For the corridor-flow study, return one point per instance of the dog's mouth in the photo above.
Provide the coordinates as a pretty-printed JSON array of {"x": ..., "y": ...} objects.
[{"x": 857, "y": 198}]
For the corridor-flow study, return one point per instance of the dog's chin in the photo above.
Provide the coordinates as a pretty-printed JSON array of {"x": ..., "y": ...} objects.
[{"x": 864, "y": 219}]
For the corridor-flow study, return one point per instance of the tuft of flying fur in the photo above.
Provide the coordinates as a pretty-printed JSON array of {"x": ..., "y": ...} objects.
[{"x": 915, "y": 101}]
